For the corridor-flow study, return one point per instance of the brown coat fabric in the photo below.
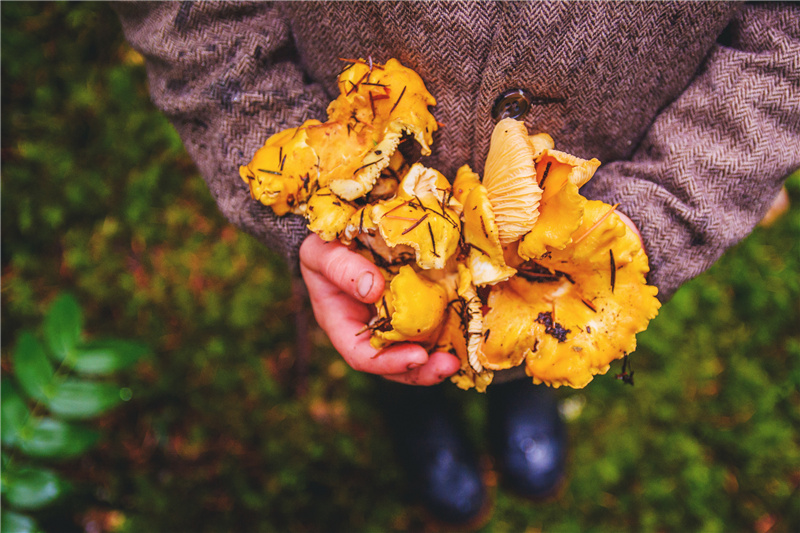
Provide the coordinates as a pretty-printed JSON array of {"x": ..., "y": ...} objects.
[{"x": 693, "y": 108}]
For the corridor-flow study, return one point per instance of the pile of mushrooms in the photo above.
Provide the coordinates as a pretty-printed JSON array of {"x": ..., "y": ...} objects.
[{"x": 516, "y": 268}]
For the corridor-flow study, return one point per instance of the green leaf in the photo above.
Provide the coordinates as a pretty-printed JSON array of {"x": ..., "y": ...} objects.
[
  {"x": 33, "y": 370},
  {"x": 32, "y": 488},
  {"x": 106, "y": 356},
  {"x": 14, "y": 412},
  {"x": 56, "y": 439},
  {"x": 73, "y": 398},
  {"x": 63, "y": 326},
  {"x": 11, "y": 522},
  {"x": 45, "y": 437}
]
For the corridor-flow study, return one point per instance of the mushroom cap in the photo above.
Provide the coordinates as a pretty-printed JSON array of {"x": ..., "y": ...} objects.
[
  {"x": 563, "y": 168},
  {"x": 560, "y": 214},
  {"x": 471, "y": 308},
  {"x": 283, "y": 172},
  {"x": 328, "y": 215},
  {"x": 364, "y": 89},
  {"x": 507, "y": 329},
  {"x": 379, "y": 104},
  {"x": 510, "y": 180},
  {"x": 415, "y": 308},
  {"x": 386, "y": 185},
  {"x": 480, "y": 231},
  {"x": 565, "y": 315},
  {"x": 360, "y": 222},
  {"x": 594, "y": 303},
  {"x": 465, "y": 181},
  {"x": 428, "y": 185},
  {"x": 539, "y": 142},
  {"x": 364, "y": 231},
  {"x": 420, "y": 216},
  {"x": 452, "y": 340},
  {"x": 348, "y": 161},
  {"x": 561, "y": 209}
]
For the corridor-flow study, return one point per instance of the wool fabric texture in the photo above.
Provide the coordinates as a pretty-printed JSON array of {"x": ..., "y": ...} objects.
[{"x": 693, "y": 107}]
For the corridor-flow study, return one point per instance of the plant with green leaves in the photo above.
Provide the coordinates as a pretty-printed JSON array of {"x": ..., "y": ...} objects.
[{"x": 59, "y": 383}]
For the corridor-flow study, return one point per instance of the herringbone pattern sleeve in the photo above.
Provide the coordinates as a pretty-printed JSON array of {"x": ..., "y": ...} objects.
[
  {"x": 226, "y": 75},
  {"x": 714, "y": 159}
]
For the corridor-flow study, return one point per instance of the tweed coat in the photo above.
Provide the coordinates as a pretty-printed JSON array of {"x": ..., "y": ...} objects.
[{"x": 693, "y": 108}]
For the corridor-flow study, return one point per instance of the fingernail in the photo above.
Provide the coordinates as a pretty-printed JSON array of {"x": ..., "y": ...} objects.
[{"x": 364, "y": 284}]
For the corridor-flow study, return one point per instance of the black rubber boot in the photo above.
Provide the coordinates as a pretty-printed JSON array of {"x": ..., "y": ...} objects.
[
  {"x": 528, "y": 438},
  {"x": 442, "y": 468}
]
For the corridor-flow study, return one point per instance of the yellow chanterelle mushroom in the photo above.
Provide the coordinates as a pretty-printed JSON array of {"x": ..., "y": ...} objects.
[
  {"x": 462, "y": 334},
  {"x": 378, "y": 105},
  {"x": 592, "y": 300},
  {"x": 560, "y": 213},
  {"x": 411, "y": 309},
  {"x": 328, "y": 215},
  {"x": 515, "y": 270},
  {"x": 480, "y": 230},
  {"x": 510, "y": 179},
  {"x": 282, "y": 172},
  {"x": 423, "y": 215}
]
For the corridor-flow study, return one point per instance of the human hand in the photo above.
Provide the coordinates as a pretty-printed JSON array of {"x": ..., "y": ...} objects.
[{"x": 340, "y": 285}]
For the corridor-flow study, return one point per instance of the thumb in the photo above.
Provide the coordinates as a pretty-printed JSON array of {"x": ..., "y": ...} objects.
[{"x": 347, "y": 270}]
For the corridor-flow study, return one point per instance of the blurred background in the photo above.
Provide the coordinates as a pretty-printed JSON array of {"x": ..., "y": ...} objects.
[{"x": 100, "y": 200}]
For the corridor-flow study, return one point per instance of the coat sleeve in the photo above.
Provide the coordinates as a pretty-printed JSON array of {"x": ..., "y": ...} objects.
[
  {"x": 227, "y": 76},
  {"x": 714, "y": 160}
]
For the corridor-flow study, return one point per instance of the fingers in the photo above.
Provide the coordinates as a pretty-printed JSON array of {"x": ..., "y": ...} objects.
[
  {"x": 348, "y": 271},
  {"x": 340, "y": 283},
  {"x": 343, "y": 318},
  {"x": 440, "y": 366}
]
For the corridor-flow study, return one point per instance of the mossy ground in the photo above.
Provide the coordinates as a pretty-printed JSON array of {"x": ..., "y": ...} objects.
[{"x": 100, "y": 199}]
